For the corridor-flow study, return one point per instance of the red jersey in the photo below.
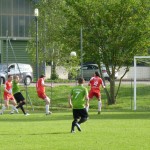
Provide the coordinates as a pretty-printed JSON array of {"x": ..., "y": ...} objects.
[
  {"x": 95, "y": 83},
  {"x": 39, "y": 87},
  {"x": 8, "y": 87}
]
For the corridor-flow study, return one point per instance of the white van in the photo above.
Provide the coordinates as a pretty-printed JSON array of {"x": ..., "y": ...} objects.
[{"x": 24, "y": 71}]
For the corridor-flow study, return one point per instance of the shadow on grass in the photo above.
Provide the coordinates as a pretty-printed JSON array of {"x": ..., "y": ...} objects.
[
  {"x": 68, "y": 116},
  {"x": 35, "y": 117},
  {"x": 53, "y": 133},
  {"x": 121, "y": 115}
]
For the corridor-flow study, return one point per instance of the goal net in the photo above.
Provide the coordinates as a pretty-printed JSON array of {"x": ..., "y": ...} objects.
[{"x": 141, "y": 82}]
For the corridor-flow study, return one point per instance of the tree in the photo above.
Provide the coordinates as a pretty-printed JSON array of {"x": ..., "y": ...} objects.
[
  {"x": 51, "y": 50},
  {"x": 114, "y": 31}
]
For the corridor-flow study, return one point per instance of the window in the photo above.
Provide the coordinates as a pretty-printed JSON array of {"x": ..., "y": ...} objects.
[{"x": 15, "y": 17}]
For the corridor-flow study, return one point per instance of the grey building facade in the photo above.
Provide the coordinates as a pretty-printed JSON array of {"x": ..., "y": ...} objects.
[{"x": 16, "y": 17}]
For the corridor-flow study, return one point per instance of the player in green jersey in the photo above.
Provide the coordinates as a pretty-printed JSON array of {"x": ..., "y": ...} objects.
[
  {"x": 77, "y": 102},
  {"x": 18, "y": 95}
]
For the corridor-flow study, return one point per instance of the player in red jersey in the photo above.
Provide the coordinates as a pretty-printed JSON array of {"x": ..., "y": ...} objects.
[
  {"x": 40, "y": 88},
  {"x": 95, "y": 83},
  {"x": 8, "y": 96}
]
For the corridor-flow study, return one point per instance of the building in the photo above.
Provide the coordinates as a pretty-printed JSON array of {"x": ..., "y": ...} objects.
[{"x": 16, "y": 17}]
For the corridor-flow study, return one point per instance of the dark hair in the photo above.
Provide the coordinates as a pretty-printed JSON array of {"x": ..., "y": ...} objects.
[
  {"x": 9, "y": 76},
  {"x": 42, "y": 76},
  {"x": 80, "y": 80},
  {"x": 97, "y": 73}
]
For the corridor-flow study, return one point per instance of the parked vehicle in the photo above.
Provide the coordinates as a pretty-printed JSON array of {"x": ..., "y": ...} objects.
[
  {"x": 24, "y": 71},
  {"x": 89, "y": 69}
]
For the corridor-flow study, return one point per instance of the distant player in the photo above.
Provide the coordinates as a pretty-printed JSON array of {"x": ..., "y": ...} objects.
[
  {"x": 8, "y": 96},
  {"x": 76, "y": 101},
  {"x": 40, "y": 88},
  {"x": 95, "y": 83},
  {"x": 18, "y": 95}
]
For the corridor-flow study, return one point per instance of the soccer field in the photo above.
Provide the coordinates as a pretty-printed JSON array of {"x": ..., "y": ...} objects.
[{"x": 108, "y": 131}]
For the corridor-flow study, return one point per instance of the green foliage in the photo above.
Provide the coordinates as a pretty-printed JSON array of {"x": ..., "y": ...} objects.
[
  {"x": 113, "y": 32},
  {"x": 49, "y": 24},
  {"x": 54, "y": 76}
]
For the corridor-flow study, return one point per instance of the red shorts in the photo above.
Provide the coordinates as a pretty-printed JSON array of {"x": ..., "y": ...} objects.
[
  {"x": 42, "y": 95},
  {"x": 92, "y": 94},
  {"x": 8, "y": 97}
]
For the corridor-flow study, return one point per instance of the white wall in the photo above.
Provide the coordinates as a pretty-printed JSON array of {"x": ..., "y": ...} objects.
[
  {"x": 61, "y": 71},
  {"x": 143, "y": 73}
]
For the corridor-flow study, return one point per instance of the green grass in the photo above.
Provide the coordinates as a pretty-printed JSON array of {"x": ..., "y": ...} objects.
[
  {"x": 117, "y": 128},
  {"x": 108, "y": 131},
  {"x": 59, "y": 98}
]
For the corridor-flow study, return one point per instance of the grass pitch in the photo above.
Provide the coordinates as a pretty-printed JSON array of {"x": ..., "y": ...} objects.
[{"x": 108, "y": 131}]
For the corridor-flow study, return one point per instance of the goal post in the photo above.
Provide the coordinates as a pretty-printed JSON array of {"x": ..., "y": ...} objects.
[{"x": 135, "y": 77}]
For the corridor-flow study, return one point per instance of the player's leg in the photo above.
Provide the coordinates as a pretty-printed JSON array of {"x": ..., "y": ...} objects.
[
  {"x": 99, "y": 103},
  {"x": 21, "y": 101},
  {"x": 22, "y": 108},
  {"x": 6, "y": 105},
  {"x": 75, "y": 116},
  {"x": 13, "y": 102},
  {"x": 90, "y": 98},
  {"x": 84, "y": 116},
  {"x": 47, "y": 101}
]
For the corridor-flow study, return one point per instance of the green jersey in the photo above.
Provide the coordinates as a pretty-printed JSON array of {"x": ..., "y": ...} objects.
[
  {"x": 15, "y": 88},
  {"x": 78, "y": 94}
]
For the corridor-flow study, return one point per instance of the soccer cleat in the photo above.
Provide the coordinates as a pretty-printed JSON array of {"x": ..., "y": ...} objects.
[
  {"x": 27, "y": 114},
  {"x": 78, "y": 126},
  {"x": 72, "y": 131},
  {"x": 1, "y": 113},
  {"x": 11, "y": 112},
  {"x": 17, "y": 111},
  {"x": 49, "y": 113}
]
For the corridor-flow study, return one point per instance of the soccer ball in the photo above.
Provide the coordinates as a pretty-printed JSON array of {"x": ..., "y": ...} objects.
[{"x": 73, "y": 54}]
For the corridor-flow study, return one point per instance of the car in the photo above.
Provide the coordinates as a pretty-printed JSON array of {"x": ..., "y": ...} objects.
[
  {"x": 88, "y": 71},
  {"x": 24, "y": 71}
]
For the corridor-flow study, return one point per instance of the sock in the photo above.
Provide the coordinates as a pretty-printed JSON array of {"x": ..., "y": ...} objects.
[
  {"x": 14, "y": 108},
  {"x": 3, "y": 109},
  {"x": 21, "y": 107},
  {"x": 87, "y": 108},
  {"x": 20, "y": 104},
  {"x": 47, "y": 108},
  {"x": 99, "y": 105},
  {"x": 73, "y": 124},
  {"x": 82, "y": 120}
]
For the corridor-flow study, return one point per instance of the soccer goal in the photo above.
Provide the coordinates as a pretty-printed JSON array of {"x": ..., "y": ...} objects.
[{"x": 141, "y": 82}]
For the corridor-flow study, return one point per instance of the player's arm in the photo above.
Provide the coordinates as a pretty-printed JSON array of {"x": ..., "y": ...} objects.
[
  {"x": 87, "y": 99},
  {"x": 103, "y": 85},
  {"x": 45, "y": 85},
  {"x": 7, "y": 91},
  {"x": 69, "y": 100},
  {"x": 89, "y": 83}
]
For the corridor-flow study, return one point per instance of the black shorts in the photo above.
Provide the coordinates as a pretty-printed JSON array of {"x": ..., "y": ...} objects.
[
  {"x": 19, "y": 97},
  {"x": 80, "y": 113}
]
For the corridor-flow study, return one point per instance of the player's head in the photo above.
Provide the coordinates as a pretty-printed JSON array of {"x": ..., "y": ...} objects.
[
  {"x": 42, "y": 76},
  {"x": 10, "y": 77},
  {"x": 16, "y": 78},
  {"x": 80, "y": 80},
  {"x": 97, "y": 74}
]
